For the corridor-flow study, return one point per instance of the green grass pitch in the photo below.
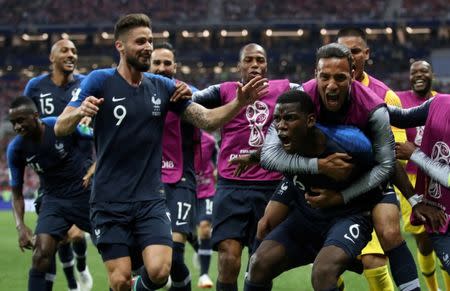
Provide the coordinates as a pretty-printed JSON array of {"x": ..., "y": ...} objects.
[{"x": 14, "y": 265}]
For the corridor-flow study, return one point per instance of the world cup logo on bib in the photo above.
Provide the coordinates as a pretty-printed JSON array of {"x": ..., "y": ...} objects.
[
  {"x": 257, "y": 115},
  {"x": 441, "y": 154},
  {"x": 419, "y": 134}
]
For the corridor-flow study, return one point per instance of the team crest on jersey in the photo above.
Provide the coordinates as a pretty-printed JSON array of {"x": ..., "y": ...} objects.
[
  {"x": 257, "y": 115},
  {"x": 75, "y": 93},
  {"x": 441, "y": 154},
  {"x": 156, "y": 105},
  {"x": 59, "y": 146}
]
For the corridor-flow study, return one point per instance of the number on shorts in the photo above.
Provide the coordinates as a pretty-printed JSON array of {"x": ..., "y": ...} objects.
[
  {"x": 187, "y": 208},
  {"x": 209, "y": 206},
  {"x": 354, "y": 232}
]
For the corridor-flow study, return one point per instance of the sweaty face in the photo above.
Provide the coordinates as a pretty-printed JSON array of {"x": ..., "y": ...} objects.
[
  {"x": 333, "y": 81},
  {"x": 163, "y": 63},
  {"x": 360, "y": 53},
  {"x": 291, "y": 125},
  {"x": 138, "y": 46},
  {"x": 24, "y": 120},
  {"x": 253, "y": 63},
  {"x": 420, "y": 77},
  {"x": 64, "y": 56}
]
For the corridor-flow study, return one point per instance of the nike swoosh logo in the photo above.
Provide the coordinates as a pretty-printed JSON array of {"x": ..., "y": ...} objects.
[
  {"x": 30, "y": 158},
  {"x": 45, "y": 95},
  {"x": 114, "y": 99},
  {"x": 180, "y": 222}
]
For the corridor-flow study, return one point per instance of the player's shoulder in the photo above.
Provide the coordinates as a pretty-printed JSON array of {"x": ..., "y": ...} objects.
[
  {"x": 158, "y": 78},
  {"x": 79, "y": 77},
  {"x": 14, "y": 144},
  {"x": 35, "y": 81},
  {"x": 376, "y": 83},
  {"x": 101, "y": 74},
  {"x": 50, "y": 120}
]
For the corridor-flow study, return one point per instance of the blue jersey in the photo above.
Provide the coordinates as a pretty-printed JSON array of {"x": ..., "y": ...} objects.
[
  {"x": 49, "y": 98},
  {"x": 340, "y": 139},
  {"x": 128, "y": 133},
  {"x": 57, "y": 161}
]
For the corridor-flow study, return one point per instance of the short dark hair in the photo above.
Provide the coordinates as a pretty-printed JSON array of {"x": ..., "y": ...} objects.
[
  {"x": 335, "y": 50},
  {"x": 304, "y": 101},
  {"x": 241, "y": 51},
  {"x": 352, "y": 31},
  {"x": 130, "y": 21},
  {"x": 23, "y": 101},
  {"x": 164, "y": 45}
]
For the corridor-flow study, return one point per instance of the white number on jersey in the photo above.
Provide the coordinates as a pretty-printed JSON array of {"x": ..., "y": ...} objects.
[
  {"x": 47, "y": 106},
  {"x": 354, "y": 233},
  {"x": 119, "y": 112}
]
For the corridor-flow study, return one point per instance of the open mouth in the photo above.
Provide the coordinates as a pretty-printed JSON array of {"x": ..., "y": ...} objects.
[
  {"x": 332, "y": 100},
  {"x": 285, "y": 141},
  {"x": 69, "y": 63},
  {"x": 254, "y": 74},
  {"x": 419, "y": 83}
]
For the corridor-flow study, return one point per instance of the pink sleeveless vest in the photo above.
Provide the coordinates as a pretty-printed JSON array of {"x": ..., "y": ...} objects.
[
  {"x": 172, "y": 158},
  {"x": 205, "y": 177},
  {"x": 410, "y": 99},
  {"x": 246, "y": 132},
  {"x": 363, "y": 102},
  {"x": 436, "y": 144}
]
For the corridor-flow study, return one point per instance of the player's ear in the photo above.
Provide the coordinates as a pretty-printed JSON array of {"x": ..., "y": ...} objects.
[
  {"x": 311, "y": 120},
  {"x": 119, "y": 46},
  {"x": 174, "y": 68},
  {"x": 367, "y": 54}
]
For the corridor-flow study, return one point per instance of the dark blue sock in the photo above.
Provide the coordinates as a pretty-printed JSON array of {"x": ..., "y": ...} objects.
[
  {"x": 204, "y": 254},
  {"x": 179, "y": 273},
  {"x": 80, "y": 250},
  {"x": 194, "y": 242},
  {"x": 65, "y": 253},
  {"x": 36, "y": 280},
  {"x": 143, "y": 283},
  {"x": 403, "y": 268},
  {"x": 249, "y": 286},
  {"x": 226, "y": 286},
  {"x": 50, "y": 275}
]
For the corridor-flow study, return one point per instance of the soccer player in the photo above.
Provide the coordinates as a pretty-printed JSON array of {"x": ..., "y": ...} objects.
[
  {"x": 339, "y": 100},
  {"x": 181, "y": 142},
  {"x": 330, "y": 238},
  {"x": 60, "y": 166},
  {"x": 51, "y": 93},
  {"x": 433, "y": 161},
  {"x": 206, "y": 188},
  {"x": 239, "y": 202},
  {"x": 129, "y": 108},
  {"x": 420, "y": 78},
  {"x": 373, "y": 257}
]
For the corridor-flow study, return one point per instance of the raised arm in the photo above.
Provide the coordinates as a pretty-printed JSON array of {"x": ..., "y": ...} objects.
[
  {"x": 411, "y": 117},
  {"x": 211, "y": 119}
]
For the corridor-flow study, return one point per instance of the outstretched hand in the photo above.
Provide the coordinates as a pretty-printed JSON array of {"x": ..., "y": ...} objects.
[{"x": 253, "y": 90}]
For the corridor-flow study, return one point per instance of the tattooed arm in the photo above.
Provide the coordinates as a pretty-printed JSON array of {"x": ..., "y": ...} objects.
[{"x": 211, "y": 119}]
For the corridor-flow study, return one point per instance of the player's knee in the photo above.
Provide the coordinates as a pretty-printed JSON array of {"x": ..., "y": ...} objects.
[
  {"x": 159, "y": 274},
  {"x": 324, "y": 276},
  {"x": 42, "y": 259},
  {"x": 389, "y": 237},
  {"x": 205, "y": 229},
  {"x": 259, "y": 268},
  {"x": 120, "y": 280}
]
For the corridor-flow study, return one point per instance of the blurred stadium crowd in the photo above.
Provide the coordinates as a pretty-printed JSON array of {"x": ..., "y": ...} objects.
[{"x": 208, "y": 34}]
